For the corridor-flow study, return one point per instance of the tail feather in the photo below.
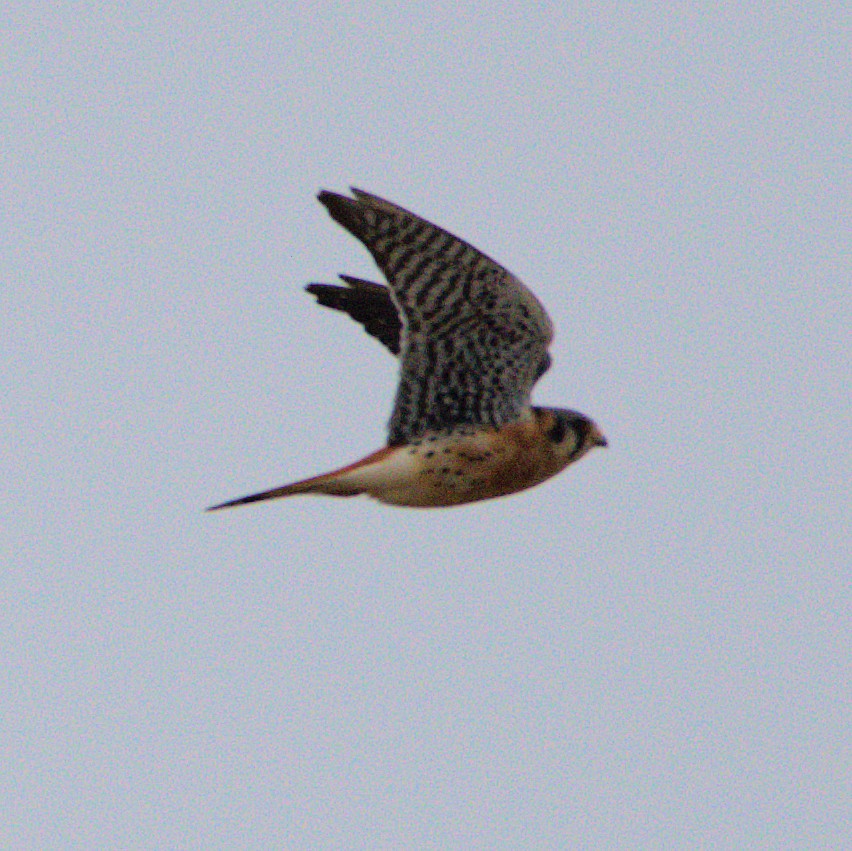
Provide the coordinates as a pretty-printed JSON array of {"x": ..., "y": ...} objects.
[
  {"x": 347, "y": 481},
  {"x": 317, "y": 484}
]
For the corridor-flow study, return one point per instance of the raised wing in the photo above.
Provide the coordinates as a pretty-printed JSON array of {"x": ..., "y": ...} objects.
[
  {"x": 368, "y": 303},
  {"x": 474, "y": 338}
]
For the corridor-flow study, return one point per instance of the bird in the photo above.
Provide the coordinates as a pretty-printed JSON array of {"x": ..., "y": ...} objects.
[{"x": 472, "y": 341}]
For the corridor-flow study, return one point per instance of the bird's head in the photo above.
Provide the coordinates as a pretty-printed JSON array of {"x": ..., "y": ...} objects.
[{"x": 570, "y": 434}]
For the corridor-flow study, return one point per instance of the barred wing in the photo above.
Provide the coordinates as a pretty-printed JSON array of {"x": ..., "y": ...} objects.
[{"x": 474, "y": 338}]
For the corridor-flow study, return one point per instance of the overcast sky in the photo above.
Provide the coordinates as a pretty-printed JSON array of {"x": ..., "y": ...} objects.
[{"x": 650, "y": 650}]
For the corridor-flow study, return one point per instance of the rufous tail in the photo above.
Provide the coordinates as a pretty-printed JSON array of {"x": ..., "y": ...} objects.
[
  {"x": 342, "y": 482},
  {"x": 317, "y": 484}
]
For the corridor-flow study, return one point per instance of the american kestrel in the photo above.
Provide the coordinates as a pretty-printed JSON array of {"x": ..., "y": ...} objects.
[{"x": 472, "y": 341}]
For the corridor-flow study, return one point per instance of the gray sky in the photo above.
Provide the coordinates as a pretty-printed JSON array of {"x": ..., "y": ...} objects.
[{"x": 648, "y": 651}]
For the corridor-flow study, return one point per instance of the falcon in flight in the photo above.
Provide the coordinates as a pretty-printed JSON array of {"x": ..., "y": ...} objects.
[{"x": 472, "y": 341}]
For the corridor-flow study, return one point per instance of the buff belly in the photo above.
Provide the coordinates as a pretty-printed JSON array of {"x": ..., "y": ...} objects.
[{"x": 442, "y": 470}]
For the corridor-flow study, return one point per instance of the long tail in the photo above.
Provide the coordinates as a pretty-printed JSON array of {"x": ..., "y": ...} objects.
[
  {"x": 314, "y": 485},
  {"x": 335, "y": 483}
]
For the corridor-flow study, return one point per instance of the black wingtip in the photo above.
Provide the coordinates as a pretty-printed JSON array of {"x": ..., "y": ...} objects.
[
  {"x": 354, "y": 286},
  {"x": 334, "y": 203},
  {"x": 368, "y": 303},
  {"x": 326, "y": 295},
  {"x": 332, "y": 200},
  {"x": 347, "y": 212}
]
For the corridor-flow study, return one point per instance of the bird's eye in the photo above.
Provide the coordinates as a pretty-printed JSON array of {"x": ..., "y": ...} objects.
[{"x": 558, "y": 430}]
